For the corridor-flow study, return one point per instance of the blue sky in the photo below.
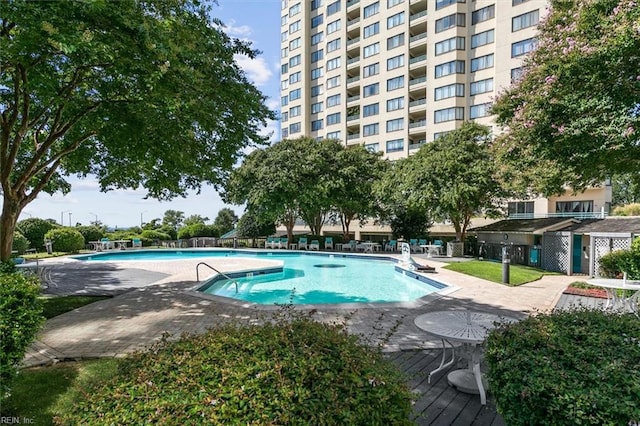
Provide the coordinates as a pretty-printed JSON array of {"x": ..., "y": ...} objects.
[{"x": 254, "y": 20}]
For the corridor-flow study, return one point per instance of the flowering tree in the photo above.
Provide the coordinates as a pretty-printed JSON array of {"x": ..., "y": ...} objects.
[{"x": 573, "y": 118}]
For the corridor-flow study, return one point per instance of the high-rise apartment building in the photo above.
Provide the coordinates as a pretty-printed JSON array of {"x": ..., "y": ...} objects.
[{"x": 395, "y": 74}]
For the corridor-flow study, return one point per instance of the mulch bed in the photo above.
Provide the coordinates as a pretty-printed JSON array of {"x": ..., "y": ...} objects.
[{"x": 588, "y": 292}]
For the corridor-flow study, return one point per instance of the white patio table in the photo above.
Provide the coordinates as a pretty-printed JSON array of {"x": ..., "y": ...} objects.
[
  {"x": 466, "y": 327},
  {"x": 622, "y": 294}
]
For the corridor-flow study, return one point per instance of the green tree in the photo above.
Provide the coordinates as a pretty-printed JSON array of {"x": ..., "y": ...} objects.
[
  {"x": 453, "y": 178},
  {"x": 352, "y": 195},
  {"x": 34, "y": 230},
  {"x": 225, "y": 220},
  {"x": 136, "y": 93},
  {"x": 625, "y": 189},
  {"x": 574, "y": 117},
  {"x": 173, "y": 219},
  {"x": 252, "y": 225},
  {"x": 195, "y": 219}
]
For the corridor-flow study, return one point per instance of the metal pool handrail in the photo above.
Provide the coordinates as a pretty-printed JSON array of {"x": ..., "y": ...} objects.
[{"x": 214, "y": 269}]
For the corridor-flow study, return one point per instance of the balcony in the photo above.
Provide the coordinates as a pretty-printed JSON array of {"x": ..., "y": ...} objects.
[
  {"x": 417, "y": 81},
  {"x": 417, "y": 59},
  {"x": 417, "y": 16},
  {"x": 353, "y": 136},
  {"x": 353, "y": 99},
  {"x": 352, "y": 3},
  {"x": 353, "y": 21},
  {"x": 568, "y": 215},
  {"x": 351, "y": 81},
  {"x": 417, "y": 124},
  {"x": 353, "y": 117},
  {"x": 353, "y": 62},
  {"x": 418, "y": 103},
  {"x": 353, "y": 41},
  {"x": 417, "y": 145},
  {"x": 416, "y": 38}
]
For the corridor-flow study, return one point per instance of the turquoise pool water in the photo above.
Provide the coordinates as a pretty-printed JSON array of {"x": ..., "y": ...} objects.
[{"x": 304, "y": 278}]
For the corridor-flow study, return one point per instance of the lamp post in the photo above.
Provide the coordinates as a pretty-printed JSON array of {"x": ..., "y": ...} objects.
[
  {"x": 141, "y": 221},
  {"x": 69, "y": 218},
  {"x": 62, "y": 216},
  {"x": 95, "y": 222}
]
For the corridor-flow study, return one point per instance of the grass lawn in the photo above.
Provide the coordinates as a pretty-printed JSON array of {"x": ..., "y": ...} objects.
[
  {"x": 54, "y": 306},
  {"x": 39, "y": 394},
  {"x": 492, "y": 271}
]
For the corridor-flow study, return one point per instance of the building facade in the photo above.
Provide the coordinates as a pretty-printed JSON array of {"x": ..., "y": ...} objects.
[{"x": 395, "y": 74}]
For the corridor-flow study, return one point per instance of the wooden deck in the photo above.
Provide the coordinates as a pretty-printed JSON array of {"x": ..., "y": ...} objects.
[{"x": 437, "y": 403}]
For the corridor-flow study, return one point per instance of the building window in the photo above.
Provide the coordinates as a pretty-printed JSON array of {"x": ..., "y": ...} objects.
[
  {"x": 334, "y": 135},
  {"x": 395, "y": 20},
  {"x": 449, "y": 91},
  {"x": 285, "y": 133},
  {"x": 317, "y": 107},
  {"x": 317, "y": 73},
  {"x": 517, "y": 2},
  {"x": 395, "y": 83},
  {"x": 372, "y": 147},
  {"x": 334, "y": 63},
  {"x": 317, "y": 90},
  {"x": 316, "y": 125},
  {"x": 295, "y": 43},
  {"x": 481, "y": 86},
  {"x": 294, "y": 61},
  {"x": 294, "y": 128},
  {"x": 333, "y": 119},
  {"x": 480, "y": 39},
  {"x": 370, "y": 90},
  {"x": 372, "y": 49},
  {"x": 395, "y": 145},
  {"x": 523, "y": 47},
  {"x": 284, "y": 52},
  {"x": 395, "y": 125},
  {"x": 520, "y": 207},
  {"x": 395, "y": 62},
  {"x": 295, "y": 94},
  {"x": 317, "y": 55},
  {"x": 295, "y": 111},
  {"x": 371, "y": 129},
  {"x": 315, "y": 4},
  {"x": 284, "y": 84},
  {"x": 333, "y": 100},
  {"x": 294, "y": 10},
  {"x": 448, "y": 114},
  {"x": 395, "y": 104},
  {"x": 333, "y": 45},
  {"x": 444, "y": 3},
  {"x": 455, "y": 20},
  {"x": 317, "y": 20},
  {"x": 333, "y": 82},
  {"x": 516, "y": 74},
  {"x": 332, "y": 27},
  {"x": 284, "y": 117},
  {"x": 525, "y": 21},
  {"x": 333, "y": 8},
  {"x": 369, "y": 110},
  {"x": 452, "y": 67},
  {"x": 453, "y": 43},
  {"x": 284, "y": 35},
  {"x": 317, "y": 38},
  {"x": 283, "y": 21},
  {"x": 371, "y": 30},
  {"x": 284, "y": 68},
  {"x": 294, "y": 27},
  {"x": 371, "y": 10},
  {"x": 370, "y": 70},
  {"x": 284, "y": 100},
  {"x": 574, "y": 206},
  {"x": 395, "y": 41},
  {"x": 483, "y": 14},
  {"x": 479, "y": 111},
  {"x": 295, "y": 77},
  {"x": 391, "y": 3},
  {"x": 482, "y": 62},
  {"x": 438, "y": 135}
]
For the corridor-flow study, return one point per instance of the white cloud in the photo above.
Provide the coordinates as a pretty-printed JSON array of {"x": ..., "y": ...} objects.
[
  {"x": 257, "y": 69},
  {"x": 242, "y": 31}
]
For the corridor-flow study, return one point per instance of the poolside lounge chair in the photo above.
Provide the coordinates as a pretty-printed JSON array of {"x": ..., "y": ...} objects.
[
  {"x": 422, "y": 242},
  {"x": 392, "y": 245},
  {"x": 440, "y": 245},
  {"x": 136, "y": 243},
  {"x": 302, "y": 243},
  {"x": 328, "y": 243},
  {"x": 350, "y": 246},
  {"x": 270, "y": 243},
  {"x": 105, "y": 244},
  {"x": 314, "y": 245},
  {"x": 413, "y": 244},
  {"x": 284, "y": 243}
]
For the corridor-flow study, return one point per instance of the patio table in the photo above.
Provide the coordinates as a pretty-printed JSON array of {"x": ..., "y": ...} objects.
[
  {"x": 370, "y": 247},
  {"x": 622, "y": 294},
  {"x": 431, "y": 249},
  {"x": 470, "y": 329}
]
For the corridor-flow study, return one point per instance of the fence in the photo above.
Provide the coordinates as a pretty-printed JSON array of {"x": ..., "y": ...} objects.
[{"x": 518, "y": 254}]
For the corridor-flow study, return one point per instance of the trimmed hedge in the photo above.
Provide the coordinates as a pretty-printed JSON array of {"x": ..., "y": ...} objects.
[
  {"x": 298, "y": 372},
  {"x": 20, "y": 320},
  {"x": 67, "y": 240},
  {"x": 20, "y": 243},
  {"x": 567, "y": 368}
]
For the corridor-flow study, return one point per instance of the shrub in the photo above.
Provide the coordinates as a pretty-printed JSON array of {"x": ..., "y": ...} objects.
[
  {"x": 20, "y": 243},
  {"x": 198, "y": 230},
  {"x": 67, "y": 240},
  {"x": 299, "y": 372},
  {"x": 632, "y": 209},
  {"x": 20, "y": 320},
  {"x": 613, "y": 264},
  {"x": 90, "y": 233},
  {"x": 567, "y": 368},
  {"x": 34, "y": 230},
  {"x": 149, "y": 236}
]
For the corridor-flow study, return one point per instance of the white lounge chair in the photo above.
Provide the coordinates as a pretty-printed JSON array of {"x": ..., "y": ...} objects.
[
  {"x": 314, "y": 245},
  {"x": 328, "y": 243},
  {"x": 302, "y": 243}
]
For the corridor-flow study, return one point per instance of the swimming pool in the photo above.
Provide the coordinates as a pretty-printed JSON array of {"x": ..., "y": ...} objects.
[{"x": 303, "y": 278}]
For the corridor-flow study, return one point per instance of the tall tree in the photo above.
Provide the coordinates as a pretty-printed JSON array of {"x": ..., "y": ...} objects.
[
  {"x": 574, "y": 116},
  {"x": 225, "y": 220},
  {"x": 173, "y": 219},
  {"x": 453, "y": 178},
  {"x": 195, "y": 219},
  {"x": 137, "y": 93}
]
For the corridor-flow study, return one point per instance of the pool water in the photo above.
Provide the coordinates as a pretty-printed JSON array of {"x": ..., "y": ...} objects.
[{"x": 304, "y": 278}]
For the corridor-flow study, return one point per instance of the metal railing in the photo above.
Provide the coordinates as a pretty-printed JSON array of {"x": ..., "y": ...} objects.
[{"x": 214, "y": 269}]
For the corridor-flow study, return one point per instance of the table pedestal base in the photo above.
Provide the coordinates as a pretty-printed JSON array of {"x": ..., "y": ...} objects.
[{"x": 465, "y": 381}]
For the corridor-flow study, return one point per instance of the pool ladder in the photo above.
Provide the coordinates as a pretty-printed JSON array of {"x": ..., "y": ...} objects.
[{"x": 214, "y": 269}]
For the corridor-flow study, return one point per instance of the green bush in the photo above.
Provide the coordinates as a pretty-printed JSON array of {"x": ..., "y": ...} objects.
[
  {"x": 20, "y": 243},
  {"x": 34, "y": 230},
  {"x": 150, "y": 236},
  {"x": 90, "y": 233},
  {"x": 613, "y": 264},
  {"x": 67, "y": 240},
  {"x": 567, "y": 368},
  {"x": 298, "y": 372},
  {"x": 198, "y": 230},
  {"x": 20, "y": 320}
]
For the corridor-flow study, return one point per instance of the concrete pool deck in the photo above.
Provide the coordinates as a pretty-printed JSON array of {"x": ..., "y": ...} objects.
[{"x": 152, "y": 298}]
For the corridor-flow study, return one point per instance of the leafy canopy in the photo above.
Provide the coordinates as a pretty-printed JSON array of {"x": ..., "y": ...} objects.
[{"x": 574, "y": 116}]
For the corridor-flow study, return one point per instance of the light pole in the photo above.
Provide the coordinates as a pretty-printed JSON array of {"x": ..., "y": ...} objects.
[
  {"x": 95, "y": 222},
  {"x": 62, "y": 216},
  {"x": 141, "y": 221},
  {"x": 69, "y": 218}
]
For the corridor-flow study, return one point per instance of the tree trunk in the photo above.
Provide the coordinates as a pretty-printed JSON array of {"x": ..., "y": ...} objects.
[
  {"x": 10, "y": 212},
  {"x": 345, "y": 227}
]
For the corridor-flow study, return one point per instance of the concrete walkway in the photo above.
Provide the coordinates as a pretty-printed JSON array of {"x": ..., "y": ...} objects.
[{"x": 154, "y": 298}]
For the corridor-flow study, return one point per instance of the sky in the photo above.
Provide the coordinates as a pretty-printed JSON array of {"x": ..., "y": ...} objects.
[{"x": 255, "y": 20}]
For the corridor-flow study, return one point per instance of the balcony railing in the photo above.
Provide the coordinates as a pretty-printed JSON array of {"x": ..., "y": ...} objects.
[
  {"x": 353, "y": 136},
  {"x": 353, "y": 41},
  {"x": 353, "y": 21},
  {"x": 353, "y": 98},
  {"x": 419, "y": 123},
  {"x": 352, "y": 2},
  {"x": 418, "y": 80},
  {"x": 417, "y": 145},
  {"x": 353, "y": 60},
  {"x": 353, "y": 79},
  {"x": 568, "y": 215},
  {"x": 418, "y": 37},
  {"x": 418, "y": 102},
  {"x": 417, "y": 16}
]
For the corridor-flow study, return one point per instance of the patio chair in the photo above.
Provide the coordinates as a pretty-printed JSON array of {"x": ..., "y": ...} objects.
[
  {"x": 270, "y": 243},
  {"x": 105, "y": 244},
  {"x": 284, "y": 243},
  {"x": 440, "y": 245},
  {"x": 136, "y": 243},
  {"x": 302, "y": 243},
  {"x": 413, "y": 243},
  {"x": 350, "y": 246},
  {"x": 422, "y": 242},
  {"x": 314, "y": 245},
  {"x": 328, "y": 243},
  {"x": 392, "y": 245}
]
